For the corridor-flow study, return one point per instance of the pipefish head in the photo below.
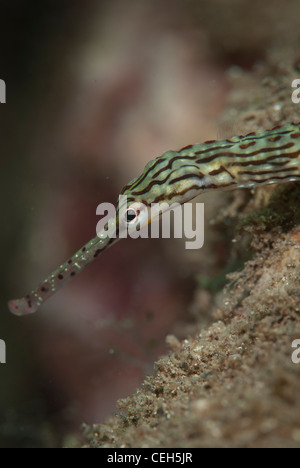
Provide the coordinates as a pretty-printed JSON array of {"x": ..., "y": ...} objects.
[
  {"x": 171, "y": 178},
  {"x": 137, "y": 197}
]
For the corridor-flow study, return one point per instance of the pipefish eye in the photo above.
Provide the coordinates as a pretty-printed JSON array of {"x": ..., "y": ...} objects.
[{"x": 131, "y": 215}]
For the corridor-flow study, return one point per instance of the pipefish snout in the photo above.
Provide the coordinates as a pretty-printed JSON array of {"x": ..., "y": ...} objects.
[{"x": 267, "y": 157}]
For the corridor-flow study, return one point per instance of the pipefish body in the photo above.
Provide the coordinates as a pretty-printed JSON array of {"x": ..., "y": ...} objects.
[{"x": 267, "y": 157}]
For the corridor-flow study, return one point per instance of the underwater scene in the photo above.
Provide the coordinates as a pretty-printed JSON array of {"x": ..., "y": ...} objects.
[{"x": 150, "y": 233}]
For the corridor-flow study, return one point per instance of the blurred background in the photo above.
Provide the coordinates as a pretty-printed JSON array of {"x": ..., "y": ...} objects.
[{"x": 95, "y": 90}]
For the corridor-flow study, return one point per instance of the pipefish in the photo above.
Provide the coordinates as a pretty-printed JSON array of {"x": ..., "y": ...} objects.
[{"x": 267, "y": 157}]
